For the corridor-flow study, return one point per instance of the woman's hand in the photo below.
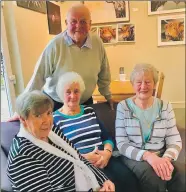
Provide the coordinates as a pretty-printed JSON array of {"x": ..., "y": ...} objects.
[
  {"x": 103, "y": 161},
  {"x": 93, "y": 157},
  {"x": 108, "y": 186},
  {"x": 162, "y": 166}
]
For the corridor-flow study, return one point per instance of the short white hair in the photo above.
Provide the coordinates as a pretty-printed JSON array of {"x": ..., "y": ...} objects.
[
  {"x": 144, "y": 67},
  {"x": 67, "y": 79}
]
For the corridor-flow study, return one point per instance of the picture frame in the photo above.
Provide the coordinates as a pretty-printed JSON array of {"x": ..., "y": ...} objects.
[
  {"x": 171, "y": 30},
  {"x": 126, "y": 32},
  {"x": 94, "y": 30},
  {"x": 38, "y": 6},
  {"x": 54, "y": 18},
  {"x": 107, "y": 33},
  {"x": 162, "y": 7},
  {"x": 108, "y": 11}
]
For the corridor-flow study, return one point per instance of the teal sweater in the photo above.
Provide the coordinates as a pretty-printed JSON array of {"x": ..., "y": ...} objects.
[{"x": 60, "y": 57}]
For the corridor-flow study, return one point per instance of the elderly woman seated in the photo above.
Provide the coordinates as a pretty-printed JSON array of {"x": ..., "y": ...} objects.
[
  {"x": 40, "y": 160},
  {"x": 147, "y": 136},
  {"x": 81, "y": 126}
]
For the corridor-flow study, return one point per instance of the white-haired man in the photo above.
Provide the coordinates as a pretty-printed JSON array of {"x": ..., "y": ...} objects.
[{"x": 74, "y": 50}]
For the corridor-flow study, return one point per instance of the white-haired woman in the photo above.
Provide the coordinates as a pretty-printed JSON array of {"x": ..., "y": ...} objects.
[
  {"x": 40, "y": 160},
  {"x": 147, "y": 136},
  {"x": 81, "y": 126}
]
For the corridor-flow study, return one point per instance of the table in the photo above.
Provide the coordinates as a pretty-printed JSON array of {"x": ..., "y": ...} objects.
[{"x": 120, "y": 90}]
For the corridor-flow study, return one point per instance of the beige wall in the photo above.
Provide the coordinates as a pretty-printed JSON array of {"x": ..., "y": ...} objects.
[{"x": 32, "y": 35}]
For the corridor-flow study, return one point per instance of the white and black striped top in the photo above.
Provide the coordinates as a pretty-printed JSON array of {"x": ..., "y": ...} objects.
[{"x": 30, "y": 168}]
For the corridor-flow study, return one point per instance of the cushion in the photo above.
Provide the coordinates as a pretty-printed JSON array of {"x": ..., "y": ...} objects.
[
  {"x": 5, "y": 183},
  {"x": 8, "y": 131},
  {"x": 107, "y": 116}
]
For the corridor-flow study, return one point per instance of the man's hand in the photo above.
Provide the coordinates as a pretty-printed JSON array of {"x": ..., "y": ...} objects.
[
  {"x": 108, "y": 186},
  {"x": 15, "y": 117},
  {"x": 162, "y": 166},
  {"x": 111, "y": 103}
]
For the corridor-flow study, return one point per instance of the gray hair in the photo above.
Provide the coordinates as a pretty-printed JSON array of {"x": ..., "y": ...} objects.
[
  {"x": 144, "y": 68},
  {"x": 67, "y": 79},
  {"x": 34, "y": 101}
]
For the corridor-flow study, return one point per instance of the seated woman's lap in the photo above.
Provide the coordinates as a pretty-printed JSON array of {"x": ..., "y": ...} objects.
[
  {"x": 148, "y": 179},
  {"x": 121, "y": 175}
]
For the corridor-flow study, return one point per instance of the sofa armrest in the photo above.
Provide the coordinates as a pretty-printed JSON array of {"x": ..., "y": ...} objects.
[{"x": 5, "y": 183}]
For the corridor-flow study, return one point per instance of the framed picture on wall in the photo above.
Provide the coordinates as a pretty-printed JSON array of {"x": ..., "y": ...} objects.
[
  {"x": 54, "y": 18},
  {"x": 161, "y": 7},
  {"x": 108, "y": 11},
  {"x": 94, "y": 30},
  {"x": 171, "y": 30},
  {"x": 107, "y": 33},
  {"x": 125, "y": 32},
  {"x": 39, "y": 6}
]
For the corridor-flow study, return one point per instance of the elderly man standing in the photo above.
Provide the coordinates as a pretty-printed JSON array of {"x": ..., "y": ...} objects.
[{"x": 74, "y": 50}]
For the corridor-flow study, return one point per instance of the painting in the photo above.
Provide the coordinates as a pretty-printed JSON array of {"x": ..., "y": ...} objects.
[
  {"x": 107, "y": 33},
  {"x": 125, "y": 32},
  {"x": 171, "y": 30},
  {"x": 54, "y": 18},
  {"x": 161, "y": 7},
  {"x": 108, "y": 11},
  {"x": 94, "y": 30},
  {"x": 39, "y": 6}
]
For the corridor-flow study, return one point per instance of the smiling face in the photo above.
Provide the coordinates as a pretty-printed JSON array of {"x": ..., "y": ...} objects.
[
  {"x": 39, "y": 124},
  {"x": 72, "y": 95},
  {"x": 78, "y": 24},
  {"x": 143, "y": 85}
]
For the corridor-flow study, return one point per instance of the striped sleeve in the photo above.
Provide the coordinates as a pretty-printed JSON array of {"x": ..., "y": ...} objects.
[
  {"x": 122, "y": 140},
  {"x": 100, "y": 176},
  {"x": 172, "y": 137},
  {"x": 27, "y": 174}
]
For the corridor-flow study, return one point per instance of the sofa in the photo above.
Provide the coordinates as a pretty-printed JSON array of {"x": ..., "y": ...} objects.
[{"x": 105, "y": 114}]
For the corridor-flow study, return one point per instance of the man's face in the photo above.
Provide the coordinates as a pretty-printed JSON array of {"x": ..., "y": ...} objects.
[{"x": 78, "y": 25}]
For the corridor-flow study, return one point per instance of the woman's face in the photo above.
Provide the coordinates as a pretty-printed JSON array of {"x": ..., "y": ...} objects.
[
  {"x": 72, "y": 95},
  {"x": 143, "y": 85},
  {"x": 39, "y": 125}
]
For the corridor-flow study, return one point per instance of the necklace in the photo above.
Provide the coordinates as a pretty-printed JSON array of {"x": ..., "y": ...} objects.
[
  {"x": 148, "y": 109},
  {"x": 146, "y": 121}
]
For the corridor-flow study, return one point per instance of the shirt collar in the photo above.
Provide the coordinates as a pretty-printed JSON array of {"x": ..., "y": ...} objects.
[{"x": 70, "y": 42}]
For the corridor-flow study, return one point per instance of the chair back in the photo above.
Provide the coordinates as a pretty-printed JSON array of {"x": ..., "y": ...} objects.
[{"x": 159, "y": 86}]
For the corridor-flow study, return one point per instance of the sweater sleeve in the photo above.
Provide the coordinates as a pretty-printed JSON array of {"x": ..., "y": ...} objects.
[
  {"x": 27, "y": 174},
  {"x": 172, "y": 137},
  {"x": 122, "y": 140},
  {"x": 104, "y": 76},
  {"x": 100, "y": 176},
  {"x": 43, "y": 69}
]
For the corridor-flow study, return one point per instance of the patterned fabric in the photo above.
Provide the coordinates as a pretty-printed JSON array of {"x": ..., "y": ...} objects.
[
  {"x": 164, "y": 137},
  {"x": 30, "y": 168},
  {"x": 83, "y": 130}
]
